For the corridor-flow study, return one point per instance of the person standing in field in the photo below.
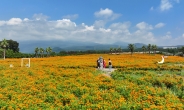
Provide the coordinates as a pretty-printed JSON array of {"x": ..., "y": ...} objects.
[
  {"x": 98, "y": 63},
  {"x": 104, "y": 63},
  {"x": 101, "y": 63},
  {"x": 110, "y": 64}
]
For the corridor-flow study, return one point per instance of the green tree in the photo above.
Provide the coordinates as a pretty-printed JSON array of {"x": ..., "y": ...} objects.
[
  {"x": 182, "y": 50},
  {"x": 13, "y": 45},
  {"x": 36, "y": 51},
  {"x": 4, "y": 44},
  {"x": 131, "y": 47},
  {"x": 149, "y": 48},
  {"x": 119, "y": 50},
  {"x": 111, "y": 50},
  {"x": 154, "y": 47},
  {"x": 115, "y": 50},
  {"x": 41, "y": 52},
  {"x": 48, "y": 51},
  {"x": 10, "y": 53},
  {"x": 1, "y": 52},
  {"x": 143, "y": 48}
]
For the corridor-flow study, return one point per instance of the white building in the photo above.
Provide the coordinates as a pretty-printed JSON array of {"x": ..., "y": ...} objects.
[{"x": 169, "y": 47}]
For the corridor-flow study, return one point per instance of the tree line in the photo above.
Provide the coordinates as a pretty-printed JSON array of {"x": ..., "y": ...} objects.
[
  {"x": 150, "y": 48},
  {"x": 39, "y": 52},
  {"x": 10, "y": 49},
  {"x": 131, "y": 48}
]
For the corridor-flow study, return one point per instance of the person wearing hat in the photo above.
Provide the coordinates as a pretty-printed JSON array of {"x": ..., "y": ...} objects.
[{"x": 110, "y": 64}]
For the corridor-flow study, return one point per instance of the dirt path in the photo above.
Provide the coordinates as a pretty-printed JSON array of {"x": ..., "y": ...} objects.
[{"x": 107, "y": 72}]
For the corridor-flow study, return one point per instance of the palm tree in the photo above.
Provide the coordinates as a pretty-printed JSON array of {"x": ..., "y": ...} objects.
[
  {"x": 41, "y": 52},
  {"x": 149, "y": 48},
  {"x": 48, "y": 50},
  {"x": 143, "y": 48},
  {"x": 4, "y": 44},
  {"x": 115, "y": 50},
  {"x": 36, "y": 51},
  {"x": 131, "y": 47},
  {"x": 182, "y": 50},
  {"x": 111, "y": 50},
  {"x": 154, "y": 47},
  {"x": 1, "y": 51},
  {"x": 119, "y": 49}
]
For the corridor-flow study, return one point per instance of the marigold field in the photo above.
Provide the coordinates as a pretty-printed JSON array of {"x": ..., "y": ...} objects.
[{"x": 74, "y": 83}]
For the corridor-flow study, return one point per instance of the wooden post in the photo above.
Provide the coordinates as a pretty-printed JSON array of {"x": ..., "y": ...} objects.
[{"x": 22, "y": 60}]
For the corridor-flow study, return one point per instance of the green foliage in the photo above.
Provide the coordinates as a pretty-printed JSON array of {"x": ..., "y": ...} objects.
[
  {"x": 125, "y": 92},
  {"x": 11, "y": 54},
  {"x": 31, "y": 73},
  {"x": 182, "y": 50},
  {"x": 13, "y": 45},
  {"x": 149, "y": 48},
  {"x": 79, "y": 92},
  {"x": 131, "y": 47},
  {"x": 50, "y": 99},
  {"x": 140, "y": 77}
]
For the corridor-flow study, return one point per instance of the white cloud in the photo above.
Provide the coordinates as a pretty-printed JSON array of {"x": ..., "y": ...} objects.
[
  {"x": 104, "y": 13},
  {"x": 144, "y": 26},
  {"x": 87, "y": 28},
  {"x": 14, "y": 21},
  {"x": 120, "y": 26},
  {"x": 99, "y": 23},
  {"x": 180, "y": 38},
  {"x": 169, "y": 40},
  {"x": 105, "y": 30},
  {"x": 40, "y": 17},
  {"x": 159, "y": 25},
  {"x": 2, "y": 23},
  {"x": 121, "y": 29},
  {"x": 143, "y": 37},
  {"x": 65, "y": 24},
  {"x": 166, "y": 37},
  {"x": 65, "y": 29},
  {"x": 107, "y": 14},
  {"x": 71, "y": 17},
  {"x": 165, "y": 5},
  {"x": 26, "y": 19}
]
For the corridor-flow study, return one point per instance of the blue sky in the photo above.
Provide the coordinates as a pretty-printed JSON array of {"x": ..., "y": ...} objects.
[{"x": 159, "y": 22}]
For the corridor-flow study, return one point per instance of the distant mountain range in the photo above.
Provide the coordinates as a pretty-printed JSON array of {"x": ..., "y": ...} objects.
[{"x": 57, "y": 46}]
